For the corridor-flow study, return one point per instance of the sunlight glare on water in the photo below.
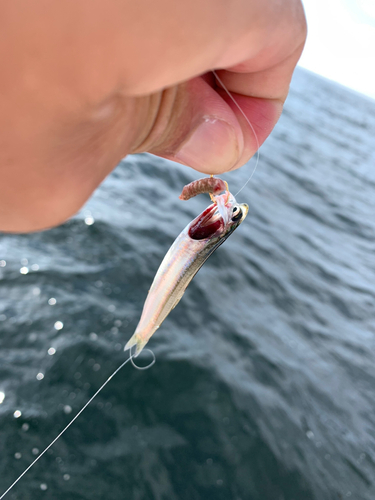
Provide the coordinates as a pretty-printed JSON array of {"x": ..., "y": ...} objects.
[{"x": 264, "y": 375}]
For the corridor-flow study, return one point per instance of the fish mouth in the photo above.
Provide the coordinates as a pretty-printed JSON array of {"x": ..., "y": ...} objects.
[
  {"x": 207, "y": 225},
  {"x": 245, "y": 210},
  {"x": 210, "y": 223}
]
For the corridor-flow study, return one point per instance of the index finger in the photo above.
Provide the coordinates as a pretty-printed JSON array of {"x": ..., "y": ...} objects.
[{"x": 260, "y": 95}]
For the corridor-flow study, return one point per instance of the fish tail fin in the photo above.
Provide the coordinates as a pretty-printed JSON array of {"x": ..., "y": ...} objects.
[{"x": 138, "y": 341}]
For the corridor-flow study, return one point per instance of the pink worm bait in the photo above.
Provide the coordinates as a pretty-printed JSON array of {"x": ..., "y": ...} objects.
[{"x": 212, "y": 185}]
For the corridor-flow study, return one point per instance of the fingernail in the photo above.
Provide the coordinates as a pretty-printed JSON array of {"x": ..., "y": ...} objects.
[{"x": 212, "y": 147}]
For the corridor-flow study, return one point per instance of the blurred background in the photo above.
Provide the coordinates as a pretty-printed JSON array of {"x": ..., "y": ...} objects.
[
  {"x": 264, "y": 382},
  {"x": 341, "y": 42},
  {"x": 263, "y": 387}
]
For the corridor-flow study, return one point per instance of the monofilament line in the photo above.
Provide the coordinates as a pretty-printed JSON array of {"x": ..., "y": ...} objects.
[
  {"x": 67, "y": 427},
  {"x": 250, "y": 124}
]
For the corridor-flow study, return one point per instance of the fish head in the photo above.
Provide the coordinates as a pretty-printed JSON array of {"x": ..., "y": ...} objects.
[
  {"x": 238, "y": 214},
  {"x": 218, "y": 220}
]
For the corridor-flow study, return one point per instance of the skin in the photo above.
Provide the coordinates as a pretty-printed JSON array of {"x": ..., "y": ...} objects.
[{"x": 83, "y": 83}]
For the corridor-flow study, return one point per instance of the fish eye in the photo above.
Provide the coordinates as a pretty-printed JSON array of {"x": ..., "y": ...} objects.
[{"x": 236, "y": 214}]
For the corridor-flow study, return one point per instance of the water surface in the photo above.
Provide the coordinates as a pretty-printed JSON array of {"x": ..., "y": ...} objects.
[{"x": 264, "y": 383}]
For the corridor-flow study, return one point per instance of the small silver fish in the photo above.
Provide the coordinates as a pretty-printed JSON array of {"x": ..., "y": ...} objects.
[{"x": 189, "y": 252}]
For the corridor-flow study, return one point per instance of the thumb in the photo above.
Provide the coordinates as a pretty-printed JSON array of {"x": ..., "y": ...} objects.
[{"x": 200, "y": 126}]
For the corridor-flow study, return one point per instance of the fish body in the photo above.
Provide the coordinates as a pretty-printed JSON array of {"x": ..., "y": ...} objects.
[{"x": 186, "y": 256}]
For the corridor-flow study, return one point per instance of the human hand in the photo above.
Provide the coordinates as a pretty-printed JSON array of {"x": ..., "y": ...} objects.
[{"x": 84, "y": 83}]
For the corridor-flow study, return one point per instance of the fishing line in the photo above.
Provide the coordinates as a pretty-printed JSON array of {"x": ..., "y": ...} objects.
[
  {"x": 76, "y": 416},
  {"x": 142, "y": 367},
  {"x": 250, "y": 124},
  {"x": 132, "y": 355}
]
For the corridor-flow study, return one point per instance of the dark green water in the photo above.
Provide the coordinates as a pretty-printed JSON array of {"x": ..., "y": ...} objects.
[{"x": 264, "y": 384}]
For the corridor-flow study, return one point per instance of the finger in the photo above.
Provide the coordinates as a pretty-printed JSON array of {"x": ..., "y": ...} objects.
[
  {"x": 269, "y": 83},
  {"x": 85, "y": 50},
  {"x": 66, "y": 116},
  {"x": 201, "y": 128},
  {"x": 212, "y": 134}
]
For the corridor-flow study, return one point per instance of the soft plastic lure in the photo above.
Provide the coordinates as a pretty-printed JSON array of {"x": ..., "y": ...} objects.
[
  {"x": 212, "y": 185},
  {"x": 186, "y": 256},
  {"x": 183, "y": 260}
]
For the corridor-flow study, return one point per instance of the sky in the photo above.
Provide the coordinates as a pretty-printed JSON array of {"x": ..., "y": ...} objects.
[{"x": 341, "y": 42}]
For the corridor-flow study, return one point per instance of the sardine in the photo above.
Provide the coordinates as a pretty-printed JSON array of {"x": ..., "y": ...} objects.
[{"x": 186, "y": 256}]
